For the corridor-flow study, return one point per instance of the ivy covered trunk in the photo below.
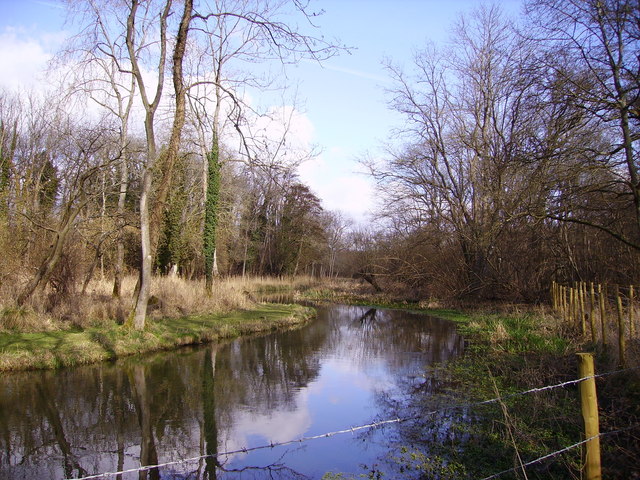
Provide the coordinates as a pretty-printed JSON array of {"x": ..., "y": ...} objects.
[{"x": 211, "y": 212}]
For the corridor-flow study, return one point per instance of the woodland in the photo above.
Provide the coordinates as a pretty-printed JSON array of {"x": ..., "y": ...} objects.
[{"x": 517, "y": 163}]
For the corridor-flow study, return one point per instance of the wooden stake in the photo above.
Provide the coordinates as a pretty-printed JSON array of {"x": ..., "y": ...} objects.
[
  {"x": 589, "y": 404},
  {"x": 592, "y": 313},
  {"x": 572, "y": 306},
  {"x": 621, "y": 340},
  {"x": 581, "y": 295},
  {"x": 632, "y": 314},
  {"x": 603, "y": 315}
]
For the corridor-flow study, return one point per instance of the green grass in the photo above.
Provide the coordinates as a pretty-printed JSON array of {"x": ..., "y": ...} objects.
[
  {"x": 39, "y": 350},
  {"x": 508, "y": 353}
]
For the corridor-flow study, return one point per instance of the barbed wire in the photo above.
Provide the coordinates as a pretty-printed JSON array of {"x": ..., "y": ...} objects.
[
  {"x": 366, "y": 427},
  {"x": 558, "y": 452}
]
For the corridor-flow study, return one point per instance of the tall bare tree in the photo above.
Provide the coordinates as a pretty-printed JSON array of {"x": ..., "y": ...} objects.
[
  {"x": 104, "y": 75},
  {"x": 470, "y": 113},
  {"x": 238, "y": 33},
  {"x": 80, "y": 161}
]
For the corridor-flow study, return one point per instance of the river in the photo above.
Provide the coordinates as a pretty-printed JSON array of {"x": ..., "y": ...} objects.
[{"x": 344, "y": 369}]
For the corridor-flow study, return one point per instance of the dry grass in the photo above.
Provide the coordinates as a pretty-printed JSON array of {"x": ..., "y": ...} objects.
[
  {"x": 171, "y": 297},
  {"x": 500, "y": 333}
]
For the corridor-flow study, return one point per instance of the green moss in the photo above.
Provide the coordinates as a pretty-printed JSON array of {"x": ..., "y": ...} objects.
[{"x": 23, "y": 351}]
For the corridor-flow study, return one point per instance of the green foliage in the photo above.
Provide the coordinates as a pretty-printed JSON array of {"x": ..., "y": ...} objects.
[
  {"x": 4, "y": 171},
  {"x": 507, "y": 354},
  {"x": 6, "y": 153},
  {"x": 375, "y": 475},
  {"x": 172, "y": 248},
  {"x": 297, "y": 228},
  {"x": 431, "y": 466}
]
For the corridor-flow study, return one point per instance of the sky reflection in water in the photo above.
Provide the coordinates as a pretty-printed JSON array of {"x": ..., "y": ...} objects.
[{"x": 342, "y": 370}]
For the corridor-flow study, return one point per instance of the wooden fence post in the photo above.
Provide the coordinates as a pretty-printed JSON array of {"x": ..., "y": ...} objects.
[
  {"x": 603, "y": 317},
  {"x": 589, "y": 404},
  {"x": 632, "y": 314},
  {"x": 582, "y": 290},
  {"x": 592, "y": 313},
  {"x": 621, "y": 339}
]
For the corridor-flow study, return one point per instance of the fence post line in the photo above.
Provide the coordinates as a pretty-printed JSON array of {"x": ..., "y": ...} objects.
[{"x": 589, "y": 404}]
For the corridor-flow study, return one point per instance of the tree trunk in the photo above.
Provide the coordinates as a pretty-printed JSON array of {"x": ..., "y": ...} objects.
[
  {"x": 211, "y": 213},
  {"x": 138, "y": 316},
  {"x": 212, "y": 191},
  {"x": 122, "y": 198},
  {"x": 140, "y": 311},
  {"x": 162, "y": 192}
]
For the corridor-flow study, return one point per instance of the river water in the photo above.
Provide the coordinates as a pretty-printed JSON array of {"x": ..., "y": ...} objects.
[{"x": 348, "y": 367}]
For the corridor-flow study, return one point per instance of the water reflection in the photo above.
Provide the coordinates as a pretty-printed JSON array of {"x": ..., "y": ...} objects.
[{"x": 342, "y": 370}]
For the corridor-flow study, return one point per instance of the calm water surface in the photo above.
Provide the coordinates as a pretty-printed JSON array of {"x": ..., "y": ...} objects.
[{"x": 347, "y": 368}]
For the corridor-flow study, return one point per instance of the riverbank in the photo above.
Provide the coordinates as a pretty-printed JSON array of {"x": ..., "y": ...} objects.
[
  {"x": 78, "y": 346},
  {"x": 512, "y": 349}
]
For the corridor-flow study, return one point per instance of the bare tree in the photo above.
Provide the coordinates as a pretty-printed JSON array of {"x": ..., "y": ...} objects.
[
  {"x": 599, "y": 73},
  {"x": 104, "y": 75},
  {"x": 80, "y": 160},
  {"x": 336, "y": 226},
  {"x": 470, "y": 114},
  {"x": 237, "y": 32},
  {"x": 145, "y": 42}
]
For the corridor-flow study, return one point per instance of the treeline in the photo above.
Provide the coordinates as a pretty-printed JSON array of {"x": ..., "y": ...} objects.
[
  {"x": 62, "y": 220},
  {"x": 520, "y": 157},
  {"x": 150, "y": 157},
  {"x": 516, "y": 165}
]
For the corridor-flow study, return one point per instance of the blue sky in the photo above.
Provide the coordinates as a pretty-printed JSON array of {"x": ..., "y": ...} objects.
[{"x": 343, "y": 102}]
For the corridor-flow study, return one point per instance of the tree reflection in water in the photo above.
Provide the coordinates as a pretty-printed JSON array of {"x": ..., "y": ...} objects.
[
  {"x": 210, "y": 433},
  {"x": 349, "y": 367}
]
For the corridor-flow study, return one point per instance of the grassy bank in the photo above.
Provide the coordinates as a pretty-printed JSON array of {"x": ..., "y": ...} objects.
[
  {"x": 511, "y": 351},
  {"x": 76, "y": 346}
]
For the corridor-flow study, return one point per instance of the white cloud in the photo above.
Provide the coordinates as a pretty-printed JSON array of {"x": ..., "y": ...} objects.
[
  {"x": 332, "y": 176},
  {"x": 275, "y": 426},
  {"x": 23, "y": 59},
  {"x": 287, "y": 122}
]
